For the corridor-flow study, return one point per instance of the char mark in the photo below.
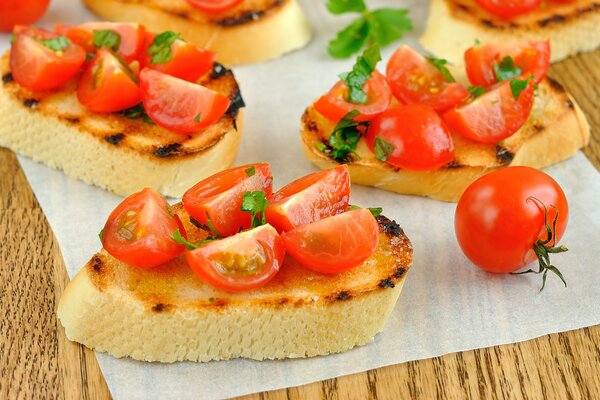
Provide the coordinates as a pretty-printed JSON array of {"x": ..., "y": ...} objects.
[
  {"x": 554, "y": 19},
  {"x": 453, "y": 165},
  {"x": 160, "y": 307},
  {"x": 237, "y": 102},
  {"x": 196, "y": 223},
  {"x": 6, "y": 78},
  {"x": 114, "y": 139},
  {"x": 503, "y": 155},
  {"x": 168, "y": 151},
  {"x": 399, "y": 272},
  {"x": 31, "y": 103},
  {"x": 219, "y": 70},
  {"x": 389, "y": 226},
  {"x": 97, "y": 264},
  {"x": 386, "y": 283},
  {"x": 343, "y": 295}
]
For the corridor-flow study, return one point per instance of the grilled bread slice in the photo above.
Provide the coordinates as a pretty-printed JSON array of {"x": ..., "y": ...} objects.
[
  {"x": 454, "y": 25},
  {"x": 167, "y": 314},
  {"x": 555, "y": 130},
  {"x": 253, "y": 31},
  {"x": 112, "y": 151}
]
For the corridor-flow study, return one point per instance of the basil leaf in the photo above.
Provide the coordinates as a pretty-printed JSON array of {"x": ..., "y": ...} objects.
[
  {"x": 344, "y": 6},
  {"x": 100, "y": 236},
  {"x": 389, "y": 25},
  {"x": 382, "y": 148},
  {"x": 518, "y": 85},
  {"x": 107, "y": 38},
  {"x": 179, "y": 239},
  {"x": 349, "y": 40},
  {"x": 251, "y": 171},
  {"x": 255, "y": 203},
  {"x": 345, "y": 136},
  {"x": 361, "y": 72},
  {"x": 160, "y": 49},
  {"x": 376, "y": 211},
  {"x": 476, "y": 91},
  {"x": 506, "y": 69},
  {"x": 440, "y": 65},
  {"x": 58, "y": 43}
]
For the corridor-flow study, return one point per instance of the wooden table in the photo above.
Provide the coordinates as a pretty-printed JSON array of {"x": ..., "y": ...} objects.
[{"x": 38, "y": 362}]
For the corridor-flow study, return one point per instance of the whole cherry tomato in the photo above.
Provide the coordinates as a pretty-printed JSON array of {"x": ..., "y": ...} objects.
[{"x": 20, "y": 12}]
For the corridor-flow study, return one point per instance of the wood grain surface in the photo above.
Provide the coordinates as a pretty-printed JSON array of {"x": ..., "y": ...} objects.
[{"x": 38, "y": 362}]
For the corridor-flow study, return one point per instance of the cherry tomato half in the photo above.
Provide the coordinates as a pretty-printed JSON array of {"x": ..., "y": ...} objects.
[
  {"x": 24, "y": 12},
  {"x": 497, "y": 221},
  {"x": 179, "y": 105},
  {"x": 219, "y": 197},
  {"x": 493, "y": 116},
  {"x": 241, "y": 262},
  {"x": 334, "y": 105},
  {"x": 413, "y": 79},
  {"x": 508, "y": 9},
  {"x": 77, "y": 35},
  {"x": 533, "y": 58},
  {"x": 309, "y": 199},
  {"x": 214, "y": 6},
  {"x": 413, "y": 137},
  {"x": 107, "y": 85},
  {"x": 139, "y": 231},
  {"x": 334, "y": 244},
  {"x": 37, "y": 67}
]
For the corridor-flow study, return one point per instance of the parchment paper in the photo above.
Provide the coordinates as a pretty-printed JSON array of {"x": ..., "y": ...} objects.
[{"x": 447, "y": 304}]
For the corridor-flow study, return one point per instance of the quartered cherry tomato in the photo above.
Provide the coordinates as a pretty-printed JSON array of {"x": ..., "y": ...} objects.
[
  {"x": 179, "y": 105},
  {"x": 132, "y": 36},
  {"x": 309, "y": 199},
  {"x": 413, "y": 79},
  {"x": 40, "y": 60},
  {"x": 245, "y": 261},
  {"x": 334, "y": 244},
  {"x": 500, "y": 218},
  {"x": 492, "y": 117},
  {"x": 334, "y": 105},
  {"x": 107, "y": 85},
  {"x": 413, "y": 137},
  {"x": 185, "y": 61},
  {"x": 219, "y": 197},
  {"x": 139, "y": 231},
  {"x": 533, "y": 58},
  {"x": 509, "y": 8},
  {"x": 77, "y": 35},
  {"x": 214, "y": 6},
  {"x": 24, "y": 12}
]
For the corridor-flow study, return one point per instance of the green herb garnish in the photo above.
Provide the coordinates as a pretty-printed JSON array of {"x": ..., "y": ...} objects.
[
  {"x": 136, "y": 112},
  {"x": 198, "y": 117},
  {"x": 506, "y": 69},
  {"x": 361, "y": 72},
  {"x": 440, "y": 64},
  {"x": 383, "y": 148},
  {"x": 107, "y": 38},
  {"x": 179, "y": 239},
  {"x": 58, "y": 43},
  {"x": 160, "y": 49},
  {"x": 345, "y": 136},
  {"x": 518, "y": 85},
  {"x": 476, "y": 91},
  {"x": 376, "y": 211},
  {"x": 255, "y": 203},
  {"x": 251, "y": 171},
  {"x": 100, "y": 236}
]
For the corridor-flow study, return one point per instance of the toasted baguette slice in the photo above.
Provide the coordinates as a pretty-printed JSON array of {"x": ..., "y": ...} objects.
[
  {"x": 454, "y": 25},
  {"x": 555, "y": 130},
  {"x": 254, "y": 31},
  {"x": 167, "y": 314},
  {"x": 117, "y": 153}
]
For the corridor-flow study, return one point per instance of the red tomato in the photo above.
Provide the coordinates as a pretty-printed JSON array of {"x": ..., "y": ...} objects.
[
  {"x": 497, "y": 221},
  {"x": 188, "y": 62},
  {"x": 219, "y": 197},
  {"x": 77, "y": 35},
  {"x": 14, "y": 12},
  {"x": 413, "y": 79},
  {"x": 418, "y": 135},
  {"x": 334, "y": 244},
  {"x": 33, "y": 31},
  {"x": 508, "y": 8},
  {"x": 107, "y": 85},
  {"x": 179, "y": 105},
  {"x": 493, "y": 116},
  {"x": 309, "y": 199},
  {"x": 139, "y": 231},
  {"x": 132, "y": 36},
  {"x": 334, "y": 105},
  {"x": 241, "y": 262},
  {"x": 214, "y": 6},
  {"x": 37, "y": 67},
  {"x": 532, "y": 57}
]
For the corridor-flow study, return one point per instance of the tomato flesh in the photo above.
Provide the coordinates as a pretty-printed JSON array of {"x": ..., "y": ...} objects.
[
  {"x": 533, "y": 58},
  {"x": 245, "y": 261},
  {"x": 309, "y": 199},
  {"x": 493, "y": 116},
  {"x": 334, "y": 244},
  {"x": 178, "y": 105},
  {"x": 497, "y": 223},
  {"x": 24, "y": 12},
  {"x": 413, "y": 79},
  {"x": 219, "y": 197},
  {"x": 214, "y": 6},
  {"x": 420, "y": 139},
  {"x": 37, "y": 67},
  {"x": 139, "y": 231},
  {"x": 82, "y": 37},
  {"x": 107, "y": 85},
  {"x": 508, "y": 8},
  {"x": 132, "y": 36},
  {"x": 334, "y": 105}
]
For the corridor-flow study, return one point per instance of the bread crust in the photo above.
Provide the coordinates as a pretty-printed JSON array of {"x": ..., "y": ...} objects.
[
  {"x": 555, "y": 130},
  {"x": 455, "y": 25},
  {"x": 167, "y": 314},
  {"x": 111, "y": 151},
  {"x": 254, "y": 31}
]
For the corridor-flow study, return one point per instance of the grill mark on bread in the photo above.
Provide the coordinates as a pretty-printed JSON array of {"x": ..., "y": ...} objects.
[
  {"x": 160, "y": 307},
  {"x": 389, "y": 226},
  {"x": 7, "y": 78},
  {"x": 247, "y": 16},
  {"x": 219, "y": 70},
  {"x": 386, "y": 283},
  {"x": 114, "y": 139},
  {"x": 237, "y": 102},
  {"x": 168, "y": 150},
  {"x": 503, "y": 155},
  {"x": 343, "y": 295},
  {"x": 31, "y": 103}
]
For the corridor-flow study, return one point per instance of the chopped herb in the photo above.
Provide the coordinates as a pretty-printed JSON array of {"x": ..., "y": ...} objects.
[
  {"x": 382, "y": 148},
  {"x": 255, "y": 203},
  {"x": 169, "y": 211},
  {"x": 13, "y": 38},
  {"x": 506, "y": 69},
  {"x": 107, "y": 38},
  {"x": 518, "y": 85},
  {"x": 160, "y": 49},
  {"x": 251, "y": 171},
  {"x": 321, "y": 146},
  {"x": 211, "y": 227},
  {"x": 178, "y": 238},
  {"x": 58, "y": 43},
  {"x": 212, "y": 299},
  {"x": 136, "y": 112},
  {"x": 476, "y": 91},
  {"x": 378, "y": 27},
  {"x": 376, "y": 211},
  {"x": 440, "y": 64},
  {"x": 345, "y": 136},
  {"x": 100, "y": 236},
  {"x": 198, "y": 117},
  {"x": 361, "y": 72},
  {"x": 477, "y": 42}
]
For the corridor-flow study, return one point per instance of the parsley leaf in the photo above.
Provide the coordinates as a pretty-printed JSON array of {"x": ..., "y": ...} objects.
[
  {"x": 376, "y": 211},
  {"x": 388, "y": 25},
  {"x": 440, "y": 64},
  {"x": 382, "y": 148},
  {"x": 160, "y": 49},
  {"x": 179, "y": 239},
  {"x": 476, "y": 91},
  {"x": 107, "y": 38},
  {"x": 518, "y": 85},
  {"x": 251, "y": 171},
  {"x": 255, "y": 203},
  {"x": 506, "y": 69},
  {"x": 349, "y": 40},
  {"x": 343, "y": 6},
  {"x": 345, "y": 136},
  {"x": 361, "y": 72},
  {"x": 58, "y": 43}
]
